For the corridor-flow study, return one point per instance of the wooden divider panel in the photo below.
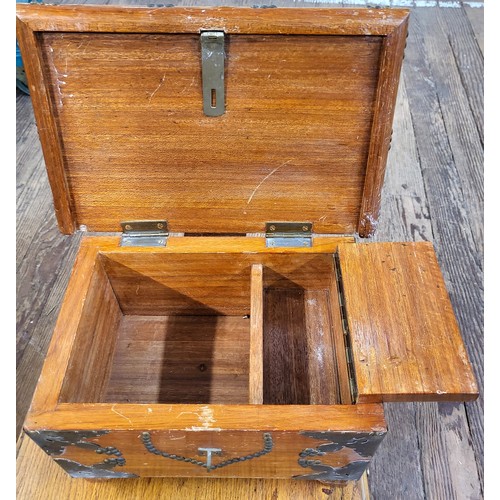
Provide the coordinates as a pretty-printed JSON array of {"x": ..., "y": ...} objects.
[{"x": 256, "y": 370}]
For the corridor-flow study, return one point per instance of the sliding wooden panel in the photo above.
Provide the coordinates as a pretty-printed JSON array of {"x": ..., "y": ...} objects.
[{"x": 405, "y": 339}]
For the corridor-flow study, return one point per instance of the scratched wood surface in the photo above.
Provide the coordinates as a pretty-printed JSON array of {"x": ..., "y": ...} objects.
[
  {"x": 432, "y": 450},
  {"x": 400, "y": 323}
]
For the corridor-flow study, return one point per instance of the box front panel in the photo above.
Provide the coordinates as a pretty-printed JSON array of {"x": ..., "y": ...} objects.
[{"x": 320, "y": 455}]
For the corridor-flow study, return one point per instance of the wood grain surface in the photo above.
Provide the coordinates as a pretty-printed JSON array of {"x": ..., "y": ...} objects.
[
  {"x": 42, "y": 277},
  {"x": 299, "y": 357},
  {"x": 405, "y": 217},
  {"x": 178, "y": 280},
  {"x": 302, "y": 138},
  {"x": 292, "y": 124},
  {"x": 179, "y": 359},
  {"x": 414, "y": 210},
  {"x": 405, "y": 339},
  {"x": 459, "y": 251},
  {"x": 391, "y": 60},
  {"x": 48, "y": 130},
  {"x": 256, "y": 355},
  {"x": 258, "y": 418},
  {"x": 38, "y": 473},
  {"x": 66, "y": 329},
  {"x": 180, "y": 284},
  {"x": 432, "y": 450},
  {"x": 89, "y": 366},
  {"x": 116, "y": 19},
  {"x": 458, "y": 103},
  {"x": 476, "y": 20}
]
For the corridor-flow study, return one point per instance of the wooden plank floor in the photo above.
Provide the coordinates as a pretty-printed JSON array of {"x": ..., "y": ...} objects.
[{"x": 433, "y": 191}]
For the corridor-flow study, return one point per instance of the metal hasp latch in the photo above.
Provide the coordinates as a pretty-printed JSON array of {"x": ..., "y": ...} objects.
[
  {"x": 144, "y": 233},
  {"x": 212, "y": 72},
  {"x": 288, "y": 234}
]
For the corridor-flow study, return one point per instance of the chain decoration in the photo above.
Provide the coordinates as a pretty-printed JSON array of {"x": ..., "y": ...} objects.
[
  {"x": 268, "y": 446},
  {"x": 310, "y": 452},
  {"x": 111, "y": 450}
]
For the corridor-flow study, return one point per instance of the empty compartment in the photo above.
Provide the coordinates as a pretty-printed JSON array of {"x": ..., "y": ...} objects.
[
  {"x": 207, "y": 328},
  {"x": 162, "y": 328},
  {"x": 304, "y": 347}
]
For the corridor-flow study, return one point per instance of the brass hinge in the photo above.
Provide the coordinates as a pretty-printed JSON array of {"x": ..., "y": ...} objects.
[
  {"x": 288, "y": 234},
  {"x": 144, "y": 233},
  {"x": 345, "y": 328}
]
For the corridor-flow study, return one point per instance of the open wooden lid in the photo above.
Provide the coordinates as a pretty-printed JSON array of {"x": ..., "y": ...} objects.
[{"x": 303, "y": 136}]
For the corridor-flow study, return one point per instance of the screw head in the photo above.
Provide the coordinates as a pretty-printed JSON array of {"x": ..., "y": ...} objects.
[
  {"x": 272, "y": 227},
  {"x": 160, "y": 225},
  {"x": 305, "y": 228},
  {"x": 128, "y": 227}
]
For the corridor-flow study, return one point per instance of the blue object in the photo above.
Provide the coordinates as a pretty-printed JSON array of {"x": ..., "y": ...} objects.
[{"x": 21, "y": 80}]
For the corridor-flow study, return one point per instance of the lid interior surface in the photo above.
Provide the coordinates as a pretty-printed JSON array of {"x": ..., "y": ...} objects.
[{"x": 294, "y": 142}]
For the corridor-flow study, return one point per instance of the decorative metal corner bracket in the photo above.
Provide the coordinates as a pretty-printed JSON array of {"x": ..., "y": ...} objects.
[
  {"x": 56, "y": 442},
  {"x": 364, "y": 444}
]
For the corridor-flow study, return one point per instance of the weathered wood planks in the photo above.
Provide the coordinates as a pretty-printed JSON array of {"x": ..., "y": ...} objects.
[{"x": 423, "y": 200}]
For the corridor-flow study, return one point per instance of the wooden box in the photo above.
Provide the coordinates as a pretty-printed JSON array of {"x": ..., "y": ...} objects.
[{"x": 204, "y": 350}]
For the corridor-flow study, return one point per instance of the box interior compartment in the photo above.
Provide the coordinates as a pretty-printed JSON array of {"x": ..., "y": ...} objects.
[{"x": 209, "y": 328}]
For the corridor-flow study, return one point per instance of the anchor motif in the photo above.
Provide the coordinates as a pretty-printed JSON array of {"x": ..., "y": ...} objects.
[{"x": 208, "y": 452}]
